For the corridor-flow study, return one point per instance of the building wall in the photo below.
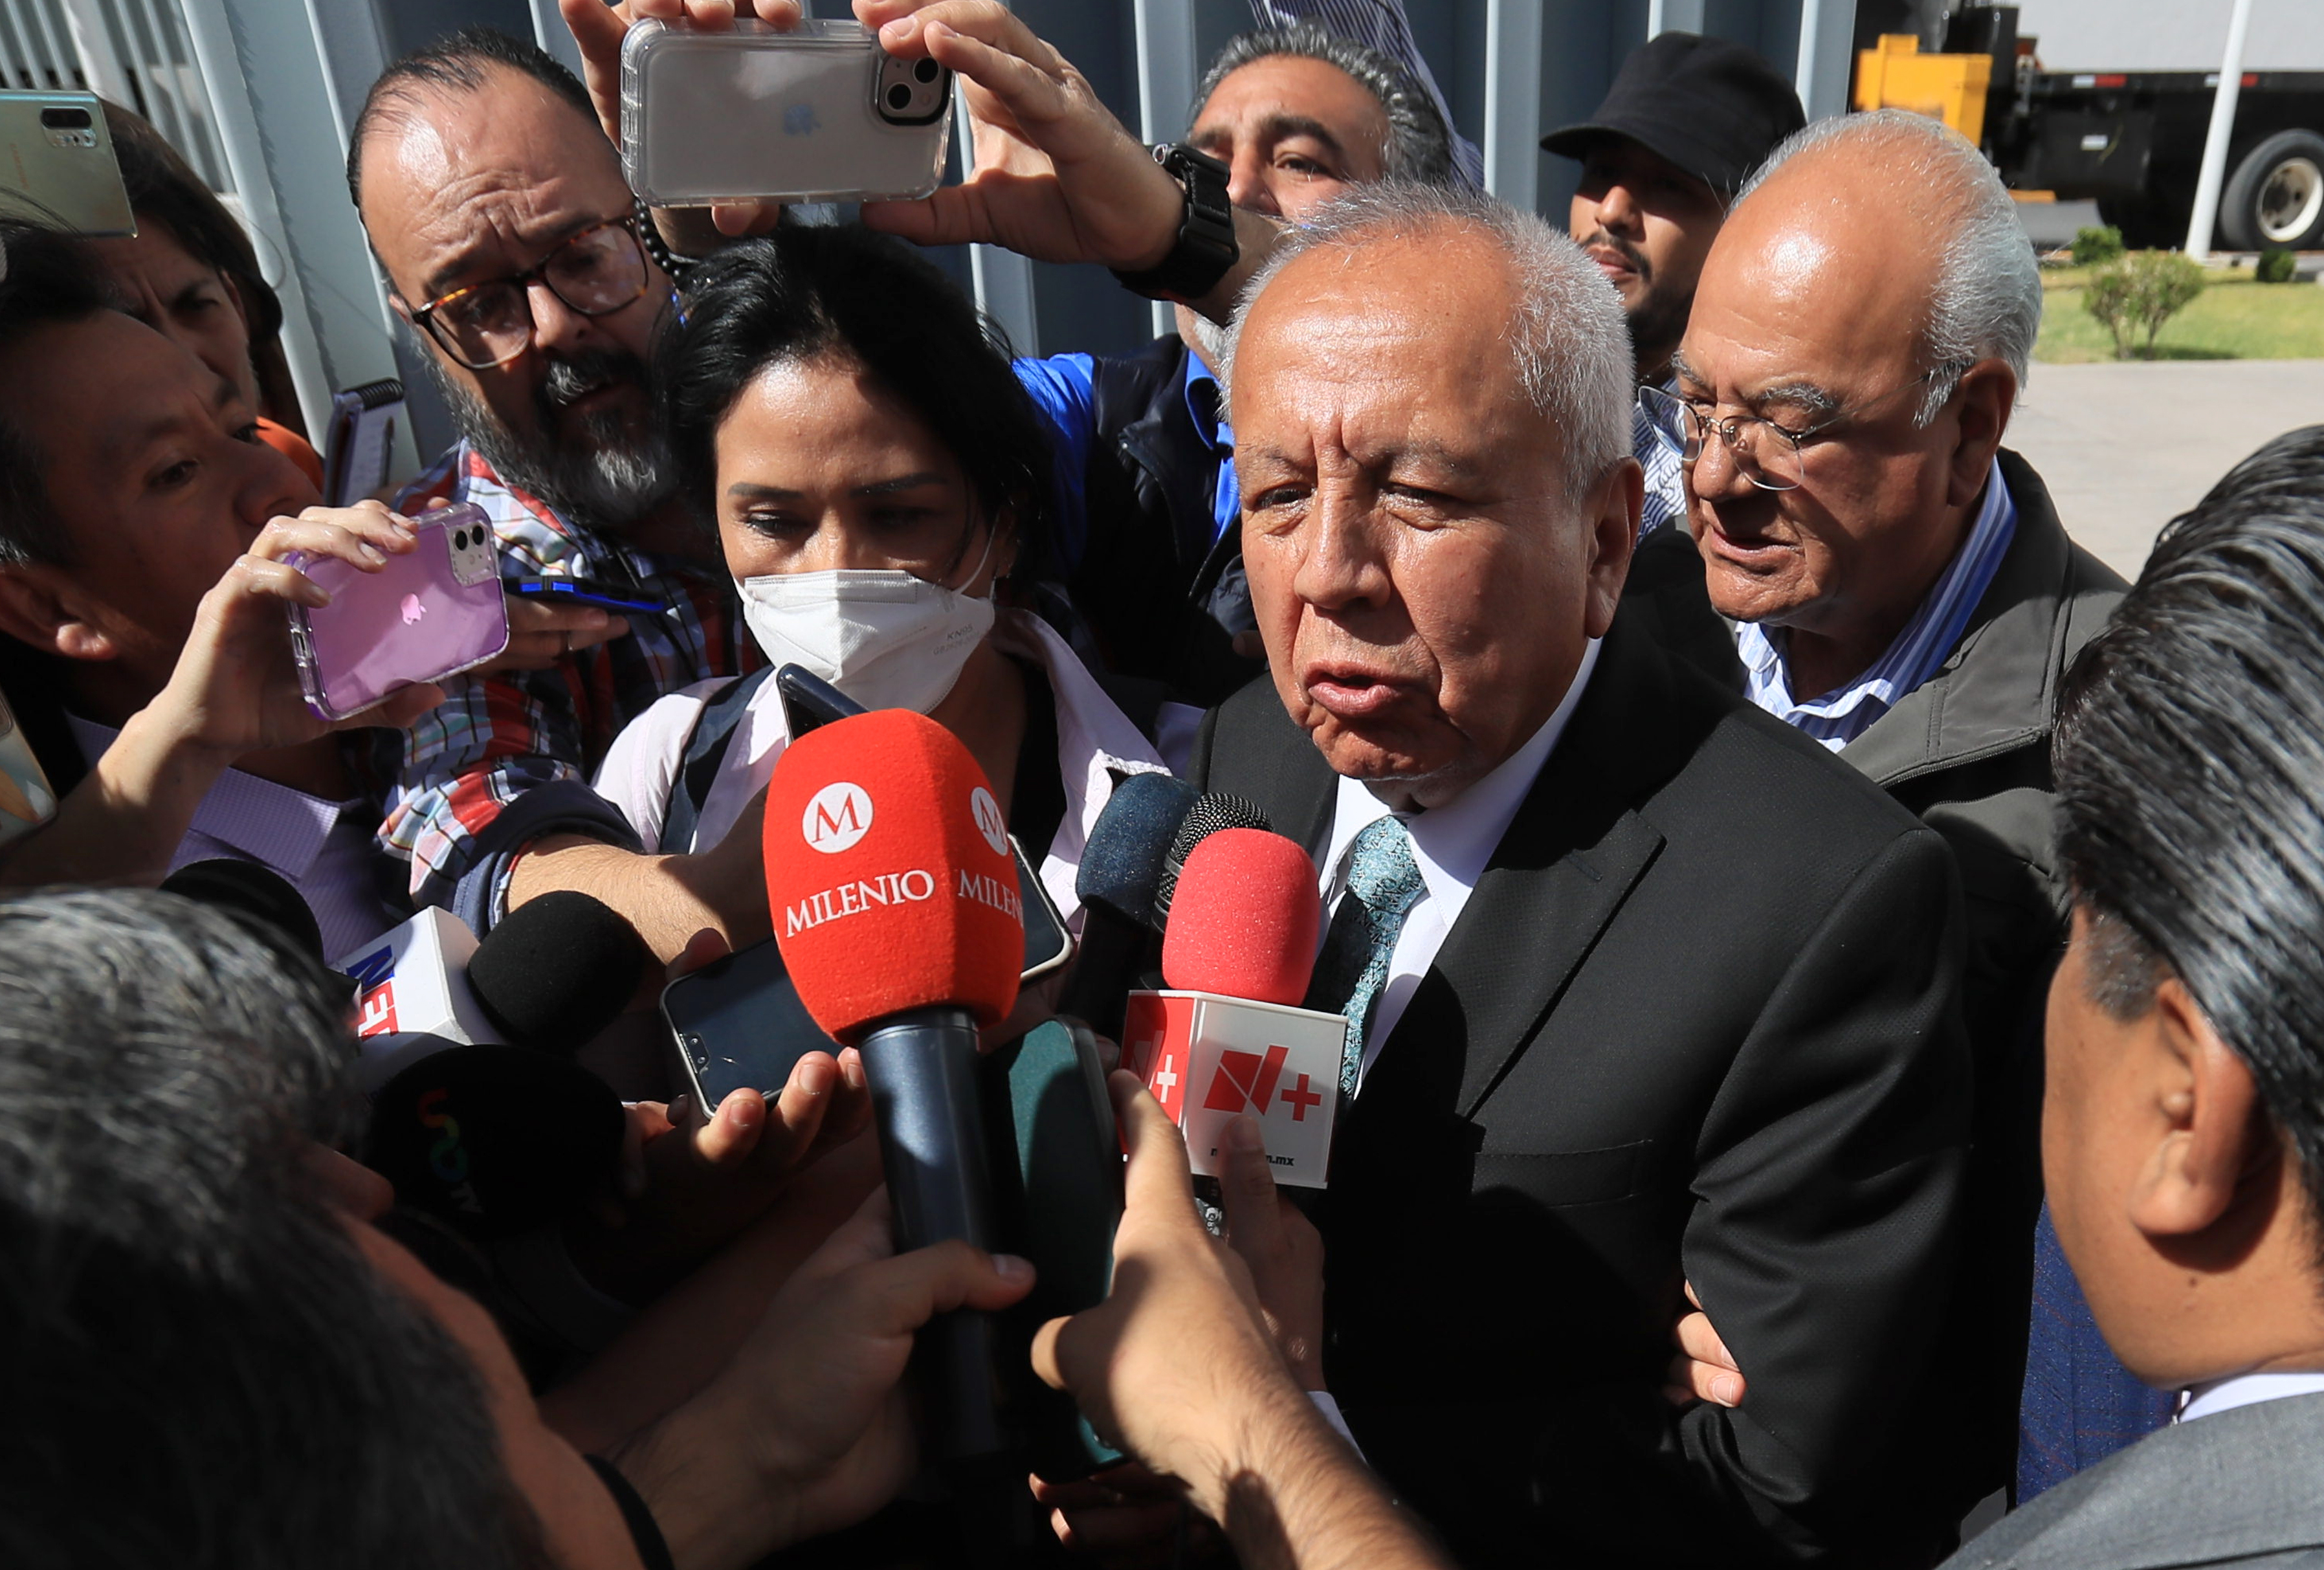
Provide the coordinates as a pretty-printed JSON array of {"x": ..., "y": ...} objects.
[{"x": 2130, "y": 36}]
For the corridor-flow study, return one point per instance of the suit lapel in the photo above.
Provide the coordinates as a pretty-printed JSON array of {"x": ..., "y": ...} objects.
[{"x": 1561, "y": 870}]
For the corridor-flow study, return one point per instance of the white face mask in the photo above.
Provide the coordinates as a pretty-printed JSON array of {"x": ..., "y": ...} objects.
[{"x": 887, "y": 640}]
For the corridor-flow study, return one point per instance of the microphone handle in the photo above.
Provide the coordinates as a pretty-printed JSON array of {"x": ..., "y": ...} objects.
[
  {"x": 1115, "y": 951},
  {"x": 922, "y": 1070}
]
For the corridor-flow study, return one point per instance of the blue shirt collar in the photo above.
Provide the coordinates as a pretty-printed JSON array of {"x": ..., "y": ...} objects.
[{"x": 1209, "y": 416}]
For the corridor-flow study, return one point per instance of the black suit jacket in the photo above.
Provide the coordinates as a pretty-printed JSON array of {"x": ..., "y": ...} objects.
[{"x": 1698, "y": 1021}]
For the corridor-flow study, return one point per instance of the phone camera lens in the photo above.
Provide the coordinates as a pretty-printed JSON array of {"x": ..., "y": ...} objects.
[
  {"x": 65, "y": 119},
  {"x": 899, "y": 96},
  {"x": 925, "y": 70},
  {"x": 459, "y": 540}
]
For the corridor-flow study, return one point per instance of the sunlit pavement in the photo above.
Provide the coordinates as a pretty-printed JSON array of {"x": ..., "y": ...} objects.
[{"x": 2126, "y": 447}]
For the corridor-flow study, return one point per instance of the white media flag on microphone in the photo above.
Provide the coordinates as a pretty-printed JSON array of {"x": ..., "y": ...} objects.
[
  {"x": 414, "y": 983},
  {"x": 1207, "y": 1057}
]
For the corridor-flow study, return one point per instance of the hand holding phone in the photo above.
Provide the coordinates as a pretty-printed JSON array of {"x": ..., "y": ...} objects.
[
  {"x": 432, "y": 609},
  {"x": 237, "y": 686}
]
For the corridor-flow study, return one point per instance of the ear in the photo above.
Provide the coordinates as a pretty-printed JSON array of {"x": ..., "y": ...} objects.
[
  {"x": 1612, "y": 515},
  {"x": 1982, "y": 405},
  {"x": 2216, "y": 1134},
  {"x": 41, "y": 607}
]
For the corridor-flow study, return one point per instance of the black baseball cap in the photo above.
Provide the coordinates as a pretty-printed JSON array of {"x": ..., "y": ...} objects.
[{"x": 1712, "y": 107}]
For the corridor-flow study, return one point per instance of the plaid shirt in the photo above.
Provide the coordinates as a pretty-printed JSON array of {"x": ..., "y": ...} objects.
[{"x": 507, "y": 759}]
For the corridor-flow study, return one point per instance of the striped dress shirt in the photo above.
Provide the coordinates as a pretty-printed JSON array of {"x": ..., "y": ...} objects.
[{"x": 1838, "y": 717}]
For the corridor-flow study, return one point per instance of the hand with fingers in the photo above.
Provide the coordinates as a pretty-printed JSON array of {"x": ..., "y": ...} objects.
[
  {"x": 1282, "y": 1248},
  {"x": 1179, "y": 1367},
  {"x": 599, "y": 27},
  {"x": 539, "y": 635},
  {"x": 234, "y": 689},
  {"x": 694, "y": 1178},
  {"x": 1125, "y": 1518},
  {"x": 1703, "y": 1370},
  {"x": 807, "y": 1428},
  {"x": 1057, "y": 177}
]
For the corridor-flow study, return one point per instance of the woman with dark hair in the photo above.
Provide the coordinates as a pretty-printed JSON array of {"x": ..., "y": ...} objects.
[
  {"x": 848, "y": 425},
  {"x": 191, "y": 275}
]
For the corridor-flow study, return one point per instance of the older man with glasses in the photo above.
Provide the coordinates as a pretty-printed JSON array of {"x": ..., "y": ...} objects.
[
  {"x": 1901, "y": 586},
  {"x": 521, "y": 260}
]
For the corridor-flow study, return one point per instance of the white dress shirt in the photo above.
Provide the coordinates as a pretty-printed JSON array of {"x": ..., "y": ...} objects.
[
  {"x": 1096, "y": 741},
  {"x": 1450, "y": 845},
  {"x": 2245, "y": 1391},
  {"x": 324, "y": 849}
]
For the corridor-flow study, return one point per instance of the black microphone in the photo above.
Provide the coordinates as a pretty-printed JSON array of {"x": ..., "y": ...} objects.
[
  {"x": 260, "y": 899},
  {"x": 1118, "y": 882},
  {"x": 494, "y": 1140},
  {"x": 556, "y": 970},
  {"x": 1219, "y": 809}
]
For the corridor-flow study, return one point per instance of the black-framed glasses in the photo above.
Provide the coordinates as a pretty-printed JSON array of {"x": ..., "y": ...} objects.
[
  {"x": 1769, "y": 454},
  {"x": 595, "y": 272}
]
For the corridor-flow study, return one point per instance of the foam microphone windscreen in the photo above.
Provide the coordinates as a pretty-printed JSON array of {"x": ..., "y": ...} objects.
[
  {"x": 888, "y": 875},
  {"x": 1245, "y": 919},
  {"x": 261, "y": 900},
  {"x": 1121, "y": 866},
  {"x": 495, "y": 1140},
  {"x": 556, "y": 970},
  {"x": 1212, "y": 813}
]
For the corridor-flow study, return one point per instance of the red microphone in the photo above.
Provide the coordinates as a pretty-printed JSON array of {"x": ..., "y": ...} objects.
[
  {"x": 1228, "y": 1036},
  {"x": 896, "y": 908}
]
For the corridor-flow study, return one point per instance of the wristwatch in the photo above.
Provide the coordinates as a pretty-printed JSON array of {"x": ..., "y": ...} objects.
[{"x": 1205, "y": 251}]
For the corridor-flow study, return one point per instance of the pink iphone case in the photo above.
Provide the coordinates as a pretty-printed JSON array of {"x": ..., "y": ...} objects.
[{"x": 432, "y": 613}]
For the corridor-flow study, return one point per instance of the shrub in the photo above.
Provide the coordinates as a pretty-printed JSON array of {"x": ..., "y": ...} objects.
[
  {"x": 2276, "y": 265},
  {"x": 2138, "y": 294},
  {"x": 2096, "y": 247}
]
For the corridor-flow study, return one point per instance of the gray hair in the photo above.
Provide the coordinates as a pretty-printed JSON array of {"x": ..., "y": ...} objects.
[
  {"x": 1987, "y": 300},
  {"x": 177, "y": 1296},
  {"x": 1419, "y": 147},
  {"x": 1569, "y": 339}
]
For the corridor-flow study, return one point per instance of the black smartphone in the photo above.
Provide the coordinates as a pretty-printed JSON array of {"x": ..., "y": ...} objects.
[
  {"x": 738, "y": 1021},
  {"x": 808, "y": 701},
  {"x": 581, "y": 591}
]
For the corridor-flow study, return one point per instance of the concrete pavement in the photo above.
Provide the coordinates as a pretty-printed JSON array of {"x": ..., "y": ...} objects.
[{"x": 2126, "y": 447}]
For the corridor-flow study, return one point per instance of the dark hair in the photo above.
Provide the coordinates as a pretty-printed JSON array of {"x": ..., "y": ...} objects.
[
  {"x": 1419, "y": 147},
  {"x": 205, "y": 1371},
  {"x": 49, "y": 278},
  {"x": 165, "y": 191},
  {"x": 2190, "y": 763},
  {"x": 461, "y": 62},
  {"x": 810, "y": 290}
]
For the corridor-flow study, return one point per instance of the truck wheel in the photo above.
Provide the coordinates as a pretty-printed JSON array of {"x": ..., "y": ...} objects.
[{"x": 2276, "y": 197}]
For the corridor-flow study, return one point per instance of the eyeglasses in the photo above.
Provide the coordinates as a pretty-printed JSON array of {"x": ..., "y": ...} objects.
[
  {"x": 1768, "y": 454},
  {"x": 594, "y": 272}
]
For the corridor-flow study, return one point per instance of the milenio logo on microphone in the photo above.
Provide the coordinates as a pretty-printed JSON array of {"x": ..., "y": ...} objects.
[{"x": 837, "y": 817}]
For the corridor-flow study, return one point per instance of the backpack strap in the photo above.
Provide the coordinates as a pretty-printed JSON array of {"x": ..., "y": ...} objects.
[{"x": 705, "y": 750}]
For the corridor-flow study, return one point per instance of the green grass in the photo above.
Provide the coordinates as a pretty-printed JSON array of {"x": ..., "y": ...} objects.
[{"x": 2234, "y": 318}]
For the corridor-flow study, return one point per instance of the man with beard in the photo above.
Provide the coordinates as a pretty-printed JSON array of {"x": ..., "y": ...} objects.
[
  {"x": 517, "y": 255},
  {"x": 1684, "y": 125}
]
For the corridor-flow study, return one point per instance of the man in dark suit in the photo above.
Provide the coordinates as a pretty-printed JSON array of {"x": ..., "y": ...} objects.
[
  {"x": 2182, "y": 1133},
  {"x": 1645, "y": 986}
]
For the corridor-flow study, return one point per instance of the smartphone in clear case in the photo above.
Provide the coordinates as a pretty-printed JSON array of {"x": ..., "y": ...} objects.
[
  {"x": 818, "y": 113},
  {"x": 431, "y": 613}
]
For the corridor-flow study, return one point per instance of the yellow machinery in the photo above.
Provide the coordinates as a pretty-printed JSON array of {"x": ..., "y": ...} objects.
[{"x": 1950, "y": 87}]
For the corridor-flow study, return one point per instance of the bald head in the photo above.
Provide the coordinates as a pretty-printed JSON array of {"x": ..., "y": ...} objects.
[{"x": 1862, "y": 327}]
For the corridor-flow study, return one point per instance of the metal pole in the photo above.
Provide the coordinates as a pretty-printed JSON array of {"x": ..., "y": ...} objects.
[
  {"x": 2223, "y": 124},
  {"x": 99, "y": 62},
  {"x": 1166, "y": 86},
  {"x": 1826, "y": 35},
  {"x": 1513, "y": 101},
  {"x": 1674, "y": 16}
]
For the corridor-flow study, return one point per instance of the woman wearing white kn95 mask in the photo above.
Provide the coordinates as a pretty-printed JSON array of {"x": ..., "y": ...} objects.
[{"x": 836, "y": 410}]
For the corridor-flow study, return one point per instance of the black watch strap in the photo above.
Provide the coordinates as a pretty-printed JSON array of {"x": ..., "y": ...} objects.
[{"x": 1205, "y": 251}]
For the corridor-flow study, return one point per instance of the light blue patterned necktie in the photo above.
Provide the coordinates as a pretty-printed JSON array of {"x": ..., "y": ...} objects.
[{"x": 1383, "y": 885}]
